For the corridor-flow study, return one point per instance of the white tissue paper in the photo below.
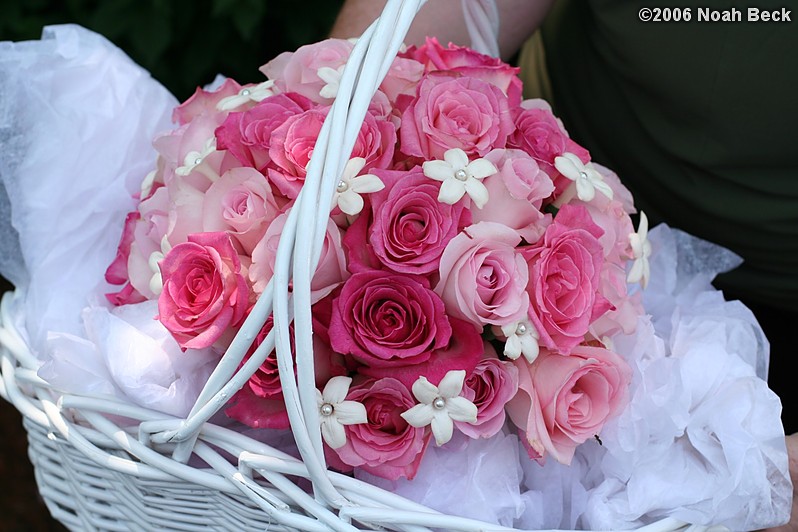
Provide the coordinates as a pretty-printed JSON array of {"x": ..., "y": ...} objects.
[
  {"x": 77, "y": 119},
  {"x": 479, "y": 479}
]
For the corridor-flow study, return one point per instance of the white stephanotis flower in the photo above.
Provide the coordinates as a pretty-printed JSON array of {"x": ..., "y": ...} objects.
[
  {"x": 332, "y": 78},
  {"x": 441, "y": 405},
  {"x": 641, "y": 251},
  {"x": 459, "y": 176},
  {"x": 522, "y": 338},
  {"x": 258, "y": 93},
  {"x": 335, "y": 411},
  {"x": 587, "y": 179},
  {"x": 194, "y": 158},
  {"x": 156, "y": 281},
  {"x": 348, "y": 192}
]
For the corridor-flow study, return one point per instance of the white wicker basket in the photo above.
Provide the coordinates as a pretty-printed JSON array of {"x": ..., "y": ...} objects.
[{"x": 103, "y": 464}]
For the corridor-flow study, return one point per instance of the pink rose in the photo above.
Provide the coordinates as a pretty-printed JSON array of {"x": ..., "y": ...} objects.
[
  {"x": 247, "y": 135},
  {"x": 386, "y": 446},
  {"x": 180, "y": 148},
  {"x": 469, "y": 63},
  {"x": 260, "y": 403},
  {"x": 148, "y": 233},
  {"x": 241, "y": 203},
  {"x": 463, "y": 351},
  {"x": 407, "y": 227},
  {"x": 204, "y": 293},
  {"x": 117, "y": 271},
  {"x": 204, "y": 102},
  {"x": 299, "y": 71},
  {"x": 490, "y": 386},
  {"x": 563, "y": 401},
  {"x": 330, "y": 272},
  {"x": 455, "y": 112},
  {"x": 564, "y": 279},
  {"x": 402, "y": 78},
  {"x": 539, "y": 133},
  {"x": 293, "y": 142},
  {"x": 516, "y": 194},
  {"x": 483, "y": 277},
  {"x": 387, "y": 321},
  {"x": 626, "y": 307}
]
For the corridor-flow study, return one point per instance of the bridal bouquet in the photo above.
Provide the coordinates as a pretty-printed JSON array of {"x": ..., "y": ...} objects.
[
  {"x": 483, "y": 304},
  {"x": 474, "y": 268}
]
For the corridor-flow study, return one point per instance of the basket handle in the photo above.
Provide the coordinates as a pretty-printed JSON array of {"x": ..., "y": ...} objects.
[{"x": 300, "y": 247}]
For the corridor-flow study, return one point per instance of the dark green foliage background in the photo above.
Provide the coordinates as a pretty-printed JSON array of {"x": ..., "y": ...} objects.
[{"x": 183, "y": 43}]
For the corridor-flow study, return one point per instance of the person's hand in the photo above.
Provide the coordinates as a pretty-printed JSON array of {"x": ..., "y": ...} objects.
[{"x": 792, "y": 453}]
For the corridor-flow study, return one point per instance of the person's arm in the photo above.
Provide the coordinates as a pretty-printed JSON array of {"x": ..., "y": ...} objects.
[{"x": 444, "y": 19}]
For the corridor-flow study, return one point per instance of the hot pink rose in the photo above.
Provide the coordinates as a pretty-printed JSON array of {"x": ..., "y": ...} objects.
[
  {"x": 260, "y": 403},
  {"x": 563, "y": 401},
  {"x": 455, "y": 112},
  {"x": 386, "y": 446},
  {"x": 407, "y": 228},
  {"x": 247, "y": 135},
  {"x": 299, "y": 71},
  {"x": 204, "y": 293},
  {"x": 469, "y": 63},
  {"x": 293, "y": 142},
  {"x": 330, "y": 272},
  {"x": 516, "y": 194},
  {"x": 539, "y": 133},
  {"x": 388, "y": 320},
  {"x": 483, "y": 277},
  {"x": 241, "y": 203},
  {"x": 564, "y": 279},
  {"x": 489, "y": 386},
  {"x": 463, "y": 352}
]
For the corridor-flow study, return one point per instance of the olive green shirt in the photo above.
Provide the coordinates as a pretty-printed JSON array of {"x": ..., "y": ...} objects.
[{"x": 699, "y": 119}]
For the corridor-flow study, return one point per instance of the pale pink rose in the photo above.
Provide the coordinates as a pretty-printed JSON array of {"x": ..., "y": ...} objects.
[
  {"x": 117, "y": 271},
  {"x": 387, "y": 321},
  {"x": 241, "y": 203},
  {"x": 626, "y": 307},
  {"x": 181, "y": 147},
  {"x": 386, "y": 446},
  {"x": 148, "y": 233},
  {"x": 562, "y": 401},
  {"x": 469, "y": 63},
  {"x": 540, "y": 134},
  {"x": 204, "y": 102},
  {"x": 483, "y": 276},
  {"x": 516, "y": 194},
  {"x": 620, "y": 192},
  {"x": 402, "y": 78},
  {"x": 299, "y": 71},
  {"x": 564, "y": 278},
  {"x": 293, "y": 142},
  {"x": 260, "y": 402},
  {"x": 247, "y": 135},
  {"x": 455, "y": 112},
  {"x": 330, "y": 272},
  {"x": 615, "y": 224},
  {"x": 490, "y": 386},
  {"x": 407, "y": 228},
  {"x": 204, "y": 293}
]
